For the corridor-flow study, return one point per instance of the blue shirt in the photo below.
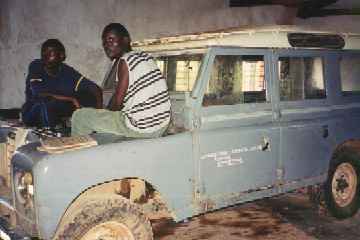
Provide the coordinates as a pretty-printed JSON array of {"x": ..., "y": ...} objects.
[{"x": 67, "y": 81}]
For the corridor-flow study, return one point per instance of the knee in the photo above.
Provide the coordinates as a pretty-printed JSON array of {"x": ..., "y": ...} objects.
[
  {"x": 83, "y": 115},
  {"x": 77, "y": 113},
  {"x": 75, "y": 117}
]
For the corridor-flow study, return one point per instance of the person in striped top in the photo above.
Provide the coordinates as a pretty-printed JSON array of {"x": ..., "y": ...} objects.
[{"x": 140, "y": 106}]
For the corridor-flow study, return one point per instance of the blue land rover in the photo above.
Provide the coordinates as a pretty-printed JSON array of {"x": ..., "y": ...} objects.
[{"x": 255, "y": 113}]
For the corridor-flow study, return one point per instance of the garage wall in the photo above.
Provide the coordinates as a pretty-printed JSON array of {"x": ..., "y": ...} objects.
[{"x": 24, "y": 25}]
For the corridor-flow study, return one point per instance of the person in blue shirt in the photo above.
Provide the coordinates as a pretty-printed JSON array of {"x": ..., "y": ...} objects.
[{"x": 54, "y": 90}]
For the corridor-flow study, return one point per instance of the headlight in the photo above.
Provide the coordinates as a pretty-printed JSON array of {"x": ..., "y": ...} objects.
[{"x": 24, "y": 188}]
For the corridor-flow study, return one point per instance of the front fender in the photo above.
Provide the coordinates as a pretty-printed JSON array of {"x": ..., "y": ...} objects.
[{"x": 166, "y": 163}]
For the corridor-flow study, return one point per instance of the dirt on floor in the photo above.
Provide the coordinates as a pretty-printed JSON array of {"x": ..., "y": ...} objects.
[{"x": 287, "y": 217}]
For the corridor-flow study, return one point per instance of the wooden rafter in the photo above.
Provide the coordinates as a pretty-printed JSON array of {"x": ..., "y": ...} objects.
[{"x": 306, "y": 8}]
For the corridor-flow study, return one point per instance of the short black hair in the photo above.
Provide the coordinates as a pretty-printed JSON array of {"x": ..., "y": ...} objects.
[
  {"x": 117, "y": 28},
  {"x": 55, "y": 43}
]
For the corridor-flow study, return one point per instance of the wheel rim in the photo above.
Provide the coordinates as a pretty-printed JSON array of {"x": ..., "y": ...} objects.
[
  {"x": 109, "y": 231},
  {"x": 344, "y": 184}
]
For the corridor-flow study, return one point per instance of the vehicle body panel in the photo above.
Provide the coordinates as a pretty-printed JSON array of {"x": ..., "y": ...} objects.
[{"x": 170, "y": 172}]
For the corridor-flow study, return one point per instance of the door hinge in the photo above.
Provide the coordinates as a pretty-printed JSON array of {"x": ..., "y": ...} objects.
[{"x": 196, "y": 122}]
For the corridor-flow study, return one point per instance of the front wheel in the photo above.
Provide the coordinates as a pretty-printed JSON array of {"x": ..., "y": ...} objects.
[
  {"x": 113, "y": 219},
  {"x": 342, "y": 187}
]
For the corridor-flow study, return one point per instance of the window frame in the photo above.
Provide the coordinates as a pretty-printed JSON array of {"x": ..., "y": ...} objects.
[
  {"x": 243, "y": 91},
  {"x": 182, "y": 53},
  {"x": 302, "y": 79},
  {"x": 348, "y": 95},
  {"x": 204, "y": 76},
  {"x": 324, "y": 55}
]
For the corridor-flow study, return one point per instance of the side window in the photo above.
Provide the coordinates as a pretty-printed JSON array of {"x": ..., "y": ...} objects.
[
  {"x": 236, "y": 80},
  {"x": 350, "y": 75},
  {"x": 301, "y": 78},
  {"x": 180, "y": 71}
]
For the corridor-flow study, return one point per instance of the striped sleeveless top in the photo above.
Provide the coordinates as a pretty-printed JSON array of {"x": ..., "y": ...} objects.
[{"x": 146, "y": 103}]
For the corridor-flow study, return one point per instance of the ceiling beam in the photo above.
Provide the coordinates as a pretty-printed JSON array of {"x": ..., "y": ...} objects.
[
  {"x": 306, "y": 8},
  {"x": 288, "y": 3}
]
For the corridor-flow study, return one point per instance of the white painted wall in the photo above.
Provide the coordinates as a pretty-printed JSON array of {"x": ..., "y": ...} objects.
[{"x": 25, "y": 24}]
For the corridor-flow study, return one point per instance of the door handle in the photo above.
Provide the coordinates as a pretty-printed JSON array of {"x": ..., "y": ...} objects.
[
  {"x": 277, "y": 115},
  {"x": 265, "y": 146},
  {"x": 325, "y": 131}
]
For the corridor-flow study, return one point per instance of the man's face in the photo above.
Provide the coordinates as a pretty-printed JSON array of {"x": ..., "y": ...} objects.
[
  {"x": 52, "y": 57},
  {"x": 114, "y": 45}
]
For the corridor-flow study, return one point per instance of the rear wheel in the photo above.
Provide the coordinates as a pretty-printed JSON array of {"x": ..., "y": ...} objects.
[
  {"x": 342, "y": 187},
  {"x": 113, "y": 219}
]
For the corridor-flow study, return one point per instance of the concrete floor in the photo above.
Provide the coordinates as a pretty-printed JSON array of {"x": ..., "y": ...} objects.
[{"x": 288, "y": 217}]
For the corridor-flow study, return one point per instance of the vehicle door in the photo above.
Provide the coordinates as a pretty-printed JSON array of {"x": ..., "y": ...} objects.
[
  {"x": 348, "y": 106},
  {"x": 238, "y": 142},
  {"x": 304, "y": 114}
]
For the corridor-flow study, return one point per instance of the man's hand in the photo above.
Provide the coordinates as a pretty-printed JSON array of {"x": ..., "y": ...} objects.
[
  {"x": 45, "y": 94},
  {"x": 76, "y": 103}
]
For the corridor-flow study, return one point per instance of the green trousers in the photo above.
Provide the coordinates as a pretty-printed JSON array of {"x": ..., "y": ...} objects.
[{"x": 88, "y": 120}]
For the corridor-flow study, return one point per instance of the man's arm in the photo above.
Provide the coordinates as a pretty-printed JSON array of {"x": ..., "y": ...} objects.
[
  {"x": 121, "y": 88},
  {"x": 97, "y": 92},
  {"x": 74, "y": 101},
  {"x": 34, "y": 80}
]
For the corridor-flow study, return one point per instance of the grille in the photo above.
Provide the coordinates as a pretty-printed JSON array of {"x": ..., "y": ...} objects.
[{"x": 6, "y": 151}]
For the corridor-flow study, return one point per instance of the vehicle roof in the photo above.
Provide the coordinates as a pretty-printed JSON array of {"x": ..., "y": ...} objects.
[{"x": 259, "y": 37}]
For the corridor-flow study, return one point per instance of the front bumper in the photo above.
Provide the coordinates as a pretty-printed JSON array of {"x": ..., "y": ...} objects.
[
  {"x": 8, "y": 234},
  {"x": 6, "y": 231}
]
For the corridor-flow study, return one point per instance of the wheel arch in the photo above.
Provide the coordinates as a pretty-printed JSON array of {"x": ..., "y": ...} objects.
[
  {"x": 113, "y": 189},
  {"x": 348, "y": 146}
]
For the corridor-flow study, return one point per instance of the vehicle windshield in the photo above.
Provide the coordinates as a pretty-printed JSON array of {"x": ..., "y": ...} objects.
[{"x": 180, "y": 71}]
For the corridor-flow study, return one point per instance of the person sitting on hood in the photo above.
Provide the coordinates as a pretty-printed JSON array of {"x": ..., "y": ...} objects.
[{"x": 54, "y": 90}]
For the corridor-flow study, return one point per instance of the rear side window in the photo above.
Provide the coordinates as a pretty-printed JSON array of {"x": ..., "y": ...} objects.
[
  {"x": 180, "y": 71},
  {"x": 236, "y": 80},
  {"x": 350, "y": 75},
  {"x": 301, "y": 78}
]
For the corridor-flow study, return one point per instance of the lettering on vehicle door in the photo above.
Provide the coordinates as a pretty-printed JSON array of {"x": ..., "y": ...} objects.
[{"x": 231, "y": 157}]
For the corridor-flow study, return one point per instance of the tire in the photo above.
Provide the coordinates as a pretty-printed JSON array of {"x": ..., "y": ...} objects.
[
  {"x": 108, "y": 219},
  {"x": 341, "y": 190}
]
